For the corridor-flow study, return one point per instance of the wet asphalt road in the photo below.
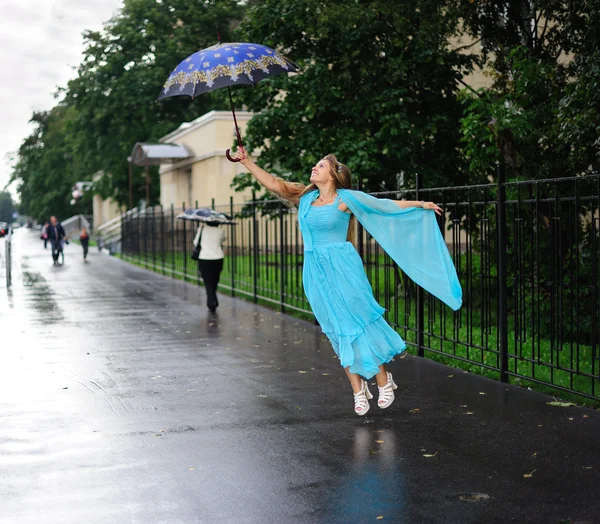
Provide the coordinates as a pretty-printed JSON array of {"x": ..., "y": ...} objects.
[{"x": 122, "y": 400}]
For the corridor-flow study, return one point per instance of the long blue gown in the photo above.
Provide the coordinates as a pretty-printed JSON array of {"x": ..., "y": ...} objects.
[{"x": 337, "y": 287}]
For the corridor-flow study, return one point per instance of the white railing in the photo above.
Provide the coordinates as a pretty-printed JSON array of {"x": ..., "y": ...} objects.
[
  {"x": 75, "y": 223},
  {"x": 109, "y": 233}
]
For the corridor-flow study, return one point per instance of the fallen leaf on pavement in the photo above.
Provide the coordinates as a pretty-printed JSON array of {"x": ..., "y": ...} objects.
[
  {"x": 561, "y": 404},
  {"x": 427, "y": 455},
  {"x": 379, "y": 441},
  {"x": 529, "y": 475}
]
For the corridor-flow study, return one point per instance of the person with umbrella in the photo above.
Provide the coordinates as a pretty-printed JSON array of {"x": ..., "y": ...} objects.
[
  {"x": 334, "y": 280},
  {"x": 208, "y": 244}
]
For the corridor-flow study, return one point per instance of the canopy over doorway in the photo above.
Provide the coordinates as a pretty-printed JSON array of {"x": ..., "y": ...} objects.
[{"x": 153, "y": 155}]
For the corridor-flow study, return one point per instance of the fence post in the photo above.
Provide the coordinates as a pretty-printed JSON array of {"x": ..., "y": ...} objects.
[
  {"x": 184, "y": 246},
  {"x": 502, "y": 278},
  {"x": 163, "y": 250},
  {"x": 123, "y": 236},
  {"x": 232, "y": 254},
  {"x": 282, "y": 258},
  {"x": 173, "y": 233},
  {"x": 359, "y": 230},
  {"x": 8, "y": 255},
  {"x": 153, "y": 235},
  {"x": 146, "y": 237},
  {"x": 255, "y": 246},
  {"x": 138, "y": 240},
  {"x": 420, "y": 295}
]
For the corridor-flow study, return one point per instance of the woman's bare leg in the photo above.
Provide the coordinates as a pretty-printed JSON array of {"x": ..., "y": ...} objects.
[
  {"x": 355, "y": 380},
  {"x": 381, "y": 377}
]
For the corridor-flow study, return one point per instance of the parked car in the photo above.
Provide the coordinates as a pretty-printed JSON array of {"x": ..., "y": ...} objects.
[
  {"x": 3, "y": 229},
  {"x": 16, "y": 225}
]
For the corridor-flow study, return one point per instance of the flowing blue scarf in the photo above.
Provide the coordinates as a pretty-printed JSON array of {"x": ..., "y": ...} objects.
[{"x": 410, "y": 236}]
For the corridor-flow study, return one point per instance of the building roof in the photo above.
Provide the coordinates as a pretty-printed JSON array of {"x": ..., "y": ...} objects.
[{"x": 155, "y": 154}]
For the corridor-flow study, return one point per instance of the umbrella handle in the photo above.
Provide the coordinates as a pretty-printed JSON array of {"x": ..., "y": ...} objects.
[{"x": 230, "y": 158}]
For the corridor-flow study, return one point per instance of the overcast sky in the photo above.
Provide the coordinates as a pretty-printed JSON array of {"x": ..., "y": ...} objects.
[{"x": 40, "y": 43}]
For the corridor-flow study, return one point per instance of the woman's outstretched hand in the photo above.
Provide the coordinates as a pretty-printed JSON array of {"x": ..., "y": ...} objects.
[
  {"x": 242, "y": 156},
  {"x": 432, "y": 205}
]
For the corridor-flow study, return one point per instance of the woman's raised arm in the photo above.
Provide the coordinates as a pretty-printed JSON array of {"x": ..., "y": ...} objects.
[
  {"x": 404, "y": 204},
  {"x": 265, "y": 179}
]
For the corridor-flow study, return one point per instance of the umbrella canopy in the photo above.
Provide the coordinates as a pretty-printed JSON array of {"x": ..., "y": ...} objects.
[
  {"x": 205, "y": 215},
  {"x": 225, "y": 65}
]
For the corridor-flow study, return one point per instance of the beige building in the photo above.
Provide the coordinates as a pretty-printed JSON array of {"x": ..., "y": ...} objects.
[
  {"x": 103, "y": 210},
  {"x": 208, "y": 174}
]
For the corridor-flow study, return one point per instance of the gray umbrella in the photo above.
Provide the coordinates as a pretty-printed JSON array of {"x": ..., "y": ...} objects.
[{"x": 205, "y": 215}]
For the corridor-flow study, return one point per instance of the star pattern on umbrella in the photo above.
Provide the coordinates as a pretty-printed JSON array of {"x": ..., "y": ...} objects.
[{"x": 222, "y": 63}]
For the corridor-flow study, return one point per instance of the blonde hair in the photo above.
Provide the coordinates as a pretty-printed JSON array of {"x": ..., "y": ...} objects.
[{"x": 342, "y": 179}]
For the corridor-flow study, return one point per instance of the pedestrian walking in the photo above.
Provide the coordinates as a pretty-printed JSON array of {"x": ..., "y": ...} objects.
[
  {"x": 56, "y": 237},
  {"x": 44, "y": 235},
  {"x": 84, "y": 238},
  {"x": 209, "y": 241},
  {"x": 333, "y": 276}
]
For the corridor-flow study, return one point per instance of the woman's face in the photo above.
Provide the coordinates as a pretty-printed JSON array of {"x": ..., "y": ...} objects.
[{"x": 320, "y": 174}]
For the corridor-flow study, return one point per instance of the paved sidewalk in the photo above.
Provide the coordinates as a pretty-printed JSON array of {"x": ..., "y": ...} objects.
[{"x": 122, "y": 400}]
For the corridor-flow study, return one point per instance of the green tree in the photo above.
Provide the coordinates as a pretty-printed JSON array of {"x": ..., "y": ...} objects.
[
  {"x": 122, "y": 72},
  {"x": 47, "y": 166},
  {"x": 7, "y": 207},
  {"x": 543, "y": 106},
  {"x": 377, "y": 87}
]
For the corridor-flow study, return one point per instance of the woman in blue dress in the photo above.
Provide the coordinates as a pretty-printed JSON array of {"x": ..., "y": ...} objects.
[{"x": 334, "y": 280}]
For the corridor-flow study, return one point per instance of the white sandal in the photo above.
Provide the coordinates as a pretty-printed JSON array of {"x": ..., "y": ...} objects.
[
  {"x": 386, "y": 393},
  {"x": 361, "y": 400}
]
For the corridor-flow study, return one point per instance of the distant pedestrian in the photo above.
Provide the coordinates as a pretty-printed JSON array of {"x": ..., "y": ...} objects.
[
  {"x": 45, "y": 234},
  {"x": 210, "y": 238},
  {"x": 56, "y": 236},
  {"x": 84, "y": 238}
]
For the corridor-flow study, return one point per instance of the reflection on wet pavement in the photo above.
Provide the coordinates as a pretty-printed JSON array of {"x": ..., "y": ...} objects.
[{"x": 122, "y": 399}]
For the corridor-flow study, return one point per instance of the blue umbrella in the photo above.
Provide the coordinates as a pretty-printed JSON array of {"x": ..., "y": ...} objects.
[{"x": 225, "y": 65}]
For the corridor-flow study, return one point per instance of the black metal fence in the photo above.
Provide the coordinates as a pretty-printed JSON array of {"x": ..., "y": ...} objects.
[{"x": 527, "y": 254}]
